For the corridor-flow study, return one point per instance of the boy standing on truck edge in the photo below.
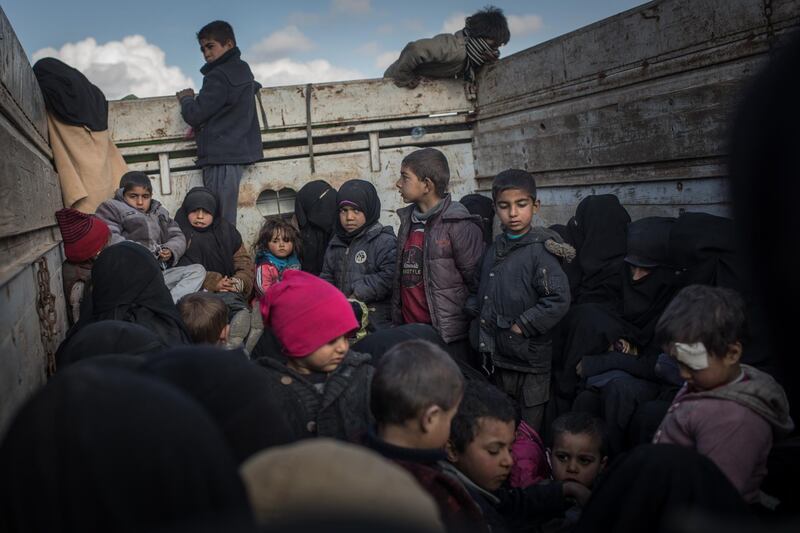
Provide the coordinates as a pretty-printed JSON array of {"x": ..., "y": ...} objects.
[
  {"x": 439, "y": 246},
  {"x": 223, "y": 115}
]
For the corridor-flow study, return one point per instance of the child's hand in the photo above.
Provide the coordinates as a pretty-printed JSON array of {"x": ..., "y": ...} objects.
[
  {"x": 184, "y": 93},
  {"x": 165, "y": 254},
  {"x": 515, "y": 328},
  {"x": 576, "y": 491},
  {"x": 226, "y": 284}
]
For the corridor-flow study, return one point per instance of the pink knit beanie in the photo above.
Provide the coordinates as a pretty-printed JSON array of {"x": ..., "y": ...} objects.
[{"x": 306, "y": 312}]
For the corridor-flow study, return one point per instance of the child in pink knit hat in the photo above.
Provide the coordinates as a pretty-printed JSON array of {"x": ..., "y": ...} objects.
[{"x": 322, "y": 384}]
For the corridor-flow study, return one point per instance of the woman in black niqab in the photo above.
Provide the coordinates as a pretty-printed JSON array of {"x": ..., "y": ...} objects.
[
  {"x": 478, "y": 204},
  {"x": 127, "y": 285},
  {"x": 104, "y": 449},
  {"x": 237, "y": 393},
  {"x": 654, "y": 486},
  {"x": 316, "y": 212},
  {"x": 599, "y": 233},
  {"x": 108, "y": 337}
]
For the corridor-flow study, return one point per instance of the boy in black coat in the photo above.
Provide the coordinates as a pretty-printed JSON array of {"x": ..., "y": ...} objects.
[
  {"x": 223, "y": 115},
  {"x": 523, "y": 293}
]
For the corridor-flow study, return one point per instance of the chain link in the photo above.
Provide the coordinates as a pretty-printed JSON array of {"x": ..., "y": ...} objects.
[
  {"x": 770, "y": 27},
  {"x": 48, "y": 318}
]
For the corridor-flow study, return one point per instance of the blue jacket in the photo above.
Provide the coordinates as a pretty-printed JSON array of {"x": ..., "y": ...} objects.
[{"x": 224, "y": 114}]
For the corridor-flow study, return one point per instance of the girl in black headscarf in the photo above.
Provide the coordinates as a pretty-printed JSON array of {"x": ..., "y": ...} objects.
[
  {"x": 237, "y": 393},
  {"x": 127, "y": 285},
  {"x": 360, "y": 260},
  {"x": 315, "y": 209},
  {"x": 215, "y": 243},
  {"x": 104, "y": 449}
]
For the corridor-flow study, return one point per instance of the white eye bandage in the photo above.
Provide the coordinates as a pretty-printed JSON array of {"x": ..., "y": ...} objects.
[{"x": 694, "y": 355}]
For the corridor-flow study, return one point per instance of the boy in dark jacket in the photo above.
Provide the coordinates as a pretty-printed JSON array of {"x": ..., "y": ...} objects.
[
  {"x": 458, "y": 55},
  {"x": 415, "y": 394},
  {"x": 439, "y": 246},
  {"x": 223, "y": 115},
  {"x": 480, "y": 459},
  {"x": 523, "y": 293},
  {"x": 322, "y": 385},
  {"x": 360, "y": 260}
]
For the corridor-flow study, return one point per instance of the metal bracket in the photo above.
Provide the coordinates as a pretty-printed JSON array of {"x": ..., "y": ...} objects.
[{"x": 309, "y": 135}]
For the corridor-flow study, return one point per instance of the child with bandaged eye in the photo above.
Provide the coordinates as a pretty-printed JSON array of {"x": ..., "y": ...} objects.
[{"x": 726, "y": 410}]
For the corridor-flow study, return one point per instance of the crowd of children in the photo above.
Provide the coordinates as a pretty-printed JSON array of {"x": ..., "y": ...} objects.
[{"x": 499, "y": 378}]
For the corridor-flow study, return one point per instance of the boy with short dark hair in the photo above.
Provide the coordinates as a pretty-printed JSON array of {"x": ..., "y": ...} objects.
[
  {"x": 439, "y": 245},
  {"x": 480, "y": 458},
  {"x": 134, "y": 215},
  {"x": 578, "y": 454},
  {"x": 205, "y": 317},
  {"x": 726, "y": 410},
  {"x": 415, "y": 394},
  {"x": 458, "y": 55},
  {"x": 223, "y": 115},
  {"x": 523, "y": 294}
]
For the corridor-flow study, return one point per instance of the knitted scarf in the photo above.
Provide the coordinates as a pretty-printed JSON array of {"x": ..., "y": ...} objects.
[{"x": 478, "y": 51}]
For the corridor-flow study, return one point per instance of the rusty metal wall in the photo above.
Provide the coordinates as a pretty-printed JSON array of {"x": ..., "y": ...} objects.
[{"x": 638, "y": 105}]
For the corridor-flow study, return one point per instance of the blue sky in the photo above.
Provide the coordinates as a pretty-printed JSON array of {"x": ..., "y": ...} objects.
[{"x": 148, "y": 47}]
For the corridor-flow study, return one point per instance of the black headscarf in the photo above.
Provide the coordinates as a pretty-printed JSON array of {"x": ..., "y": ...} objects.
[
  {"x": 70, "y": 96},
  {"x": 363, "y": 196},
  {"x": 316, "y": 212},
  {"x": 213, "y": 246},
  {"x": 127, "y": 285},
  {"x": 652, "y": 485},
  {"x": 237, "y": 393},
  {"x": 105, "y": 449},
  {"x": 108, "y": 337},
  {"x": 478, "y": 204},
  {"x": 644, "y": 300},
  {"x": 599, "y": 234}
]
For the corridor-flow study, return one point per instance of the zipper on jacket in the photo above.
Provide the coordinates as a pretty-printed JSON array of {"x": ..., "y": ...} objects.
[{"x": 546, "y": 288}]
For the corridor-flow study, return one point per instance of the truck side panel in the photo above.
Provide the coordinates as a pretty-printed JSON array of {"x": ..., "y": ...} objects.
[
  {"x": 638, "y": 105},
  {"x": 29, "y": 239}
]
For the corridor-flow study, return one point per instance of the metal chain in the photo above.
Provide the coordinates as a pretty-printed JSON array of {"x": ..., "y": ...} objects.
[
  {"x": 770, "y": 26},
  {"x": 48, "y": 318}
]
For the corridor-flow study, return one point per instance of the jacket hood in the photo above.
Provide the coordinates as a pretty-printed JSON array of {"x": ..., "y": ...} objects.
[
  {"x": 759, "y": 392},
  {"x": 553, "y": 243}
]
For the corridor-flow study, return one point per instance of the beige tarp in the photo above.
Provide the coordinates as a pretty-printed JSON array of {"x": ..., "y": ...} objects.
[{"x": 88, "y": 163}]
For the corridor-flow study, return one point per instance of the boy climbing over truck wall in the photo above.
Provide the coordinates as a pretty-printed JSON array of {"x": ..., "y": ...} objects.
[{"x": 223, "y": 116}]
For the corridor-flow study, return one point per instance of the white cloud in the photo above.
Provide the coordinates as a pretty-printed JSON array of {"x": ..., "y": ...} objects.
[
  {"x": 305, "y": 18},
  {"x": 284, "y": 42},
  {"x": 387, "y": 58},
  {"x": 517, "y": 24},
  {"x": 371, "y": 48},
  {"x": 357, "y": 7},
  {"x": 523, "y": 24},
  {"x": 119, "y": 68},
  {"x": 288, "y": 72},
  {"x": 454, "y": 22}
]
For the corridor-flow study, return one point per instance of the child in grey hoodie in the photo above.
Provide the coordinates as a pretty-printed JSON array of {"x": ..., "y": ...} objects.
[{"x": 133, "y": 215}]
